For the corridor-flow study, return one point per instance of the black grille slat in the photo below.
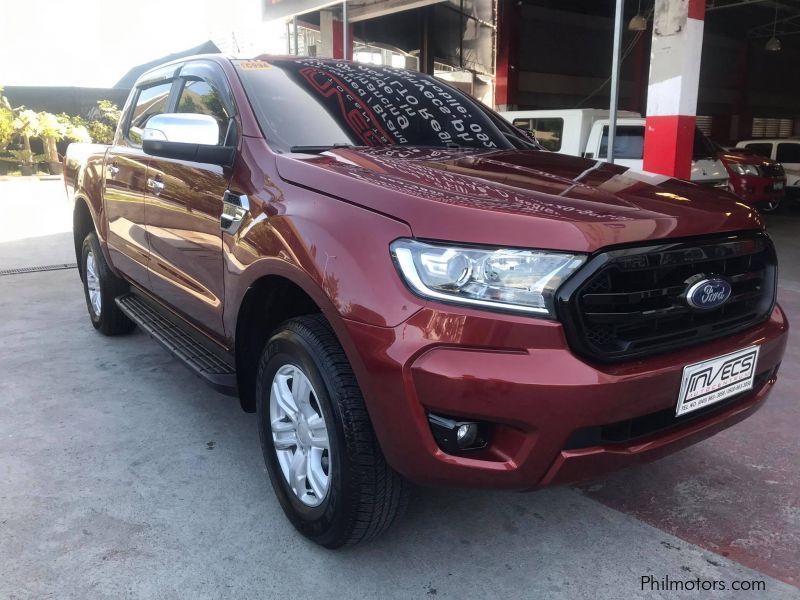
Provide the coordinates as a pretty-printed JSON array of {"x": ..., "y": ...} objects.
[{"x": 631, "y": 302}]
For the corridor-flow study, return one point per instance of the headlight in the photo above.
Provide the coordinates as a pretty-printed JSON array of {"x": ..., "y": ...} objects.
[
  {"x": 497, "y": 278},
  {"x": 741, "y": 169}
]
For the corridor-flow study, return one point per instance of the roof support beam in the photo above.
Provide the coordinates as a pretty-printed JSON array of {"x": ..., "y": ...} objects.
[{"x": 382, "y": 8}]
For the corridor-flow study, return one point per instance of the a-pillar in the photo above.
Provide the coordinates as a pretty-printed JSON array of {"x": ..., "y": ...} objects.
[{"x": 672, "y": 90}]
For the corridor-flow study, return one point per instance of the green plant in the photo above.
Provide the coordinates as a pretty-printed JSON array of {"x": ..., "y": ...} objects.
[
  {"x": 110, "y": 112},
  {"x": 51, "y": 129},
  {"x": 75, "y": 129},
  {"x": 6, "y": 122},
  {"x": 26, "y": 125}
]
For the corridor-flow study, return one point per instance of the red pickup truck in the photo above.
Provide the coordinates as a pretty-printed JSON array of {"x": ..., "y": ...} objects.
[{"x": 405, "y": 288}]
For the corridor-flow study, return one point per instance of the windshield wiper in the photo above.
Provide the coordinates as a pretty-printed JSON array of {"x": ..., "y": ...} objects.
[{"x": 317, "y": 149}]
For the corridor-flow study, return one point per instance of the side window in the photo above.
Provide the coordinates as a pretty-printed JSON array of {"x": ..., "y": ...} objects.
[
  {"x": 628, "y": 143},
  {"x": 549, "y": 132},
  {"x": 523, "y": 124},
  {"x": 201, "y": 97},
  {"x": 764, "y": 150},
  {"x": 149, "y": 101},
  {"x": 788, "y": 153}
]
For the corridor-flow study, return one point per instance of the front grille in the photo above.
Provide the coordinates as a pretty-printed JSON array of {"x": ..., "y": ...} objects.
[
  {"x": 661, "y": 421},
  {"x": 630, "y": 302}
]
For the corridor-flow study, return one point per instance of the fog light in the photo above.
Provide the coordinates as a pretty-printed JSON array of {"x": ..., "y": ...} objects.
[
  {"x": 466, "y": 434},
  {"x": 455, "y": 436}
]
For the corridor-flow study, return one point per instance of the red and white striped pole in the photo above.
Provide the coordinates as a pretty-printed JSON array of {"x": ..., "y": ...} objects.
[{"x": 672, "y": 91}]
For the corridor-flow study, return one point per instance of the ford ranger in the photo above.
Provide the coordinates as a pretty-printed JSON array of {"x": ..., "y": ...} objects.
[{"x": 405, "y": 288}]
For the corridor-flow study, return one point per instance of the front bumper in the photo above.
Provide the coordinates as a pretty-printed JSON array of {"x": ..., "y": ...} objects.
[
  {"x": 518, "y": 374},
  {"x": 758, "y": 190}
]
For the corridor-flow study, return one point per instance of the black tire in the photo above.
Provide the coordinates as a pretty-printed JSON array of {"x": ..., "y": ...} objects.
[
  {"x": 365, "y": 495},
  {"x": 109, "y": 320},
  {"x": 768, "y": 207}
]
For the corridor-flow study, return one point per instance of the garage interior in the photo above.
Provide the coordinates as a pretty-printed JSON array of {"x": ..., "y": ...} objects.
[{"x": 132, "y": 479}]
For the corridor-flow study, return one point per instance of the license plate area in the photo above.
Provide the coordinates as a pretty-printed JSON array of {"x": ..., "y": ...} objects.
[{"x": 716, "y": 379}]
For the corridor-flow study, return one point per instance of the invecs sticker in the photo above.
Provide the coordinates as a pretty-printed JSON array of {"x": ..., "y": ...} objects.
[{"x": 253, "y": 65}]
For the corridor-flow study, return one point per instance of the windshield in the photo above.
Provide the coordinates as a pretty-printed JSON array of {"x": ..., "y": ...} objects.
[{"x": 312, "y": 103}]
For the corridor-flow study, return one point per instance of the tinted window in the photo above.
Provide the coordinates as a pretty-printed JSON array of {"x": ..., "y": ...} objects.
[
  {"x": 788, "y": 153},
  {"x": 703, "y": 147},
  {"x": 548, "y": 132},
  {"x": 764, "y": 150},
  {"x": 628, "y": 143},
  {"x": 199, "y": 96},
  {"x": 149, "y": 101},
  {"x": 310, "y": 102}
]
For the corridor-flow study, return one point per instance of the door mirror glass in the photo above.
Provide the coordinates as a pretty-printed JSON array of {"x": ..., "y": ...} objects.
[{"x": 185, "y": 128}]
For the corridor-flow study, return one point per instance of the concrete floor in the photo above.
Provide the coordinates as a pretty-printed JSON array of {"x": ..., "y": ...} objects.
[{"x": 123, "y": 476}]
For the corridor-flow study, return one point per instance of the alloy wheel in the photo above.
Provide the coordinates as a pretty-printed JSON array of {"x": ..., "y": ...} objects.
[
  {"x": 300, "y": 435},
  {"x": 93, "y": 284}
]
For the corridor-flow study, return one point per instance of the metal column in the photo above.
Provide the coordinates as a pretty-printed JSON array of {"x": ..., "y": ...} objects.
[
  {"x": 345, "y": 28},
  {"x": 615, "y": 67},
  {"x": 296, "y": 38}
]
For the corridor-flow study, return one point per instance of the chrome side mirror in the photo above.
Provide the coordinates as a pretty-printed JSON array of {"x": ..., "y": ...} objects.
[
  {"x": 186, "y": 136},
  {"x": 186, "y": 128}
]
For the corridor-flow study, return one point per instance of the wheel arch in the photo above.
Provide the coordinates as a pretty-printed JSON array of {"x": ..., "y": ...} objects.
[
  {"x": 270, "y": 299},
  {"x": 82, "y": 225}
]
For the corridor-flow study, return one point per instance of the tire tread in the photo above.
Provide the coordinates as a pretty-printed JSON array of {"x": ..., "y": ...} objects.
[{"x": 382, "y": 494}]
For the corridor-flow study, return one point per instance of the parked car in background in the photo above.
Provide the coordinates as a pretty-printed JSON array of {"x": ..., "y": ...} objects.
[
  {"x": 760, "y": 182},
  {"x": 405, "y": 287},
  {"x": 783, "y": 150},
  {"x": 584, "y": 132}
]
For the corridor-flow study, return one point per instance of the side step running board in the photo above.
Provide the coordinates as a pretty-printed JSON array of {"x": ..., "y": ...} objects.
[{"x": 213, "y": 370}]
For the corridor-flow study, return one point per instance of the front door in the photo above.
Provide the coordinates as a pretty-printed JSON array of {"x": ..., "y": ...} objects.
[
  {"x": 183, "y": 206},
  {"x": 125, "y": 179}
]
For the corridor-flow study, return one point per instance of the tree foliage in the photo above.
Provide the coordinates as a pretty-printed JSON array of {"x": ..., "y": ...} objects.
[
  {"x": 6, "y": 122},
  {"x": 18, "y": 126}
]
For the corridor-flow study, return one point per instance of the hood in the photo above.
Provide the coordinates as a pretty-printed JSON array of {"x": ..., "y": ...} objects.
[
  {"x": 706, "y": 170},
  {"x": 745, "y": 158},
  {"x": 527, "y": 198}
]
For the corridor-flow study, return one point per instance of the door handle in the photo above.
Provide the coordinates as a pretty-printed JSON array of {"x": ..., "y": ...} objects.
[
  {"x": 155, "y": 185},
  {"x": 235, "y": 207},
  {"x": 113, "y": 169}
]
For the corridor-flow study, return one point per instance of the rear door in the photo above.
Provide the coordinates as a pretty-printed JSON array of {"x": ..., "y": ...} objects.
[
  {"x": 184, "y": 205},
  {"x": 125, "y": 179}
]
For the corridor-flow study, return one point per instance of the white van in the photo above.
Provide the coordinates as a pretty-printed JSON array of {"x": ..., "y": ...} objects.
[
  {"x": 784, "y": 150},
  {"x": 584, "y": 132}
]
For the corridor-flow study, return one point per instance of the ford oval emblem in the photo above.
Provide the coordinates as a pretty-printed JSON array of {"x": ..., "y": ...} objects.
[{"x": 708, "y": 293}]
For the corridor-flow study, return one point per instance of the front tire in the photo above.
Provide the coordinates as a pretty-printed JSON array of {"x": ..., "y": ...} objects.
[
  {"x": 101, "y": 287},
  {"x": 769, "y": 207},
  {"x": 323, "y": 459}
]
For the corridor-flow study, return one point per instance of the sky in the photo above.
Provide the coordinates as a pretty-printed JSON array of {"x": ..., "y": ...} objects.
[{"x": 93, "y": 43}]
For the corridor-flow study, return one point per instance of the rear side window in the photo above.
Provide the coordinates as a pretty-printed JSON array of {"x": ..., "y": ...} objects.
[
  {"x": 150, "y": 101},
  {"x": 788, "y": 153},
  {"x": 628, "y": 143},
  {"x": 764, "y": 150}
]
